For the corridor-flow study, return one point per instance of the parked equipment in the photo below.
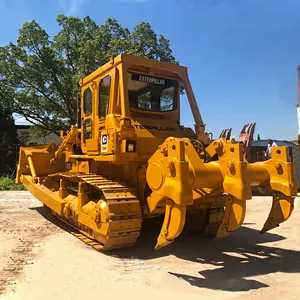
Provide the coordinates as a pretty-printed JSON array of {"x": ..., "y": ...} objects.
[{"x": 130, "y": 159}]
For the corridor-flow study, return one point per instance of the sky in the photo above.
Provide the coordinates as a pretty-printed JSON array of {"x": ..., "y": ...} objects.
[{"x": 242, "y": 56}]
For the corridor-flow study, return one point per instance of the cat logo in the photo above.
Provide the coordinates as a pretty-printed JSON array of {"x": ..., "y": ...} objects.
[
  {"x": 104, "y": 139},
  {"x": 104, "y": 142}
]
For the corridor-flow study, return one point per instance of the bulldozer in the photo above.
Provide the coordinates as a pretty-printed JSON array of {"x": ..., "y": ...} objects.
[{"x": 129, "y": 159}]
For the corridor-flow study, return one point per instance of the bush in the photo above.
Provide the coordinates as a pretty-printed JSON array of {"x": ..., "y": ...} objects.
[{"x": 7, "y": 184}]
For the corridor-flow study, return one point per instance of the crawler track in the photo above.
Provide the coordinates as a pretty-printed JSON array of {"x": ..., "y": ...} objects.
[{"x": 123, "y": 226}]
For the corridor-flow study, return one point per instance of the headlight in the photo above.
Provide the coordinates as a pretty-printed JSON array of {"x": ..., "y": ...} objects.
[{"x": 130, "y": 146}]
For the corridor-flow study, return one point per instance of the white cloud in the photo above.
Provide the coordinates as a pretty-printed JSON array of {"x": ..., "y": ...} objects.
[{"x": 71, "y": 7}]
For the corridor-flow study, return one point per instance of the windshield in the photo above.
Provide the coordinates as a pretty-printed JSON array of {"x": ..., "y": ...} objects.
[{"x": 152, "y": 93}]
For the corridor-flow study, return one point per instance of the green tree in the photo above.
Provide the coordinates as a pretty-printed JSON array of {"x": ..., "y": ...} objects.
[
  {"x": 8, "y": 139},
  {"x": 39, "y": 76},
  {"x": 258, "y": 137}
]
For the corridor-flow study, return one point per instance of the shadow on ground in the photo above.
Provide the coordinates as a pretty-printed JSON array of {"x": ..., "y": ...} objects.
[{"x": 236, "y": 257}]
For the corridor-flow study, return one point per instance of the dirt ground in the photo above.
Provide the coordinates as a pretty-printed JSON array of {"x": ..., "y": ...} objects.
[{"x": 38, "y": 260}]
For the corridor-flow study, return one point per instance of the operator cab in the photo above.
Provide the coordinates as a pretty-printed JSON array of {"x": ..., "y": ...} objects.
[{"x": 135, "y": 97}]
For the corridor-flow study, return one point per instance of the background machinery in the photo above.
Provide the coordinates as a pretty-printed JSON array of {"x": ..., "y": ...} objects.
[{"x": 130, "y": 159}]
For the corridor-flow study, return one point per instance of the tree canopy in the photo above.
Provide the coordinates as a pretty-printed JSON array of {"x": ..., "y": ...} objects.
[
  {"x": 39, "y": 75},
  {"x": 8, "y": 139}
]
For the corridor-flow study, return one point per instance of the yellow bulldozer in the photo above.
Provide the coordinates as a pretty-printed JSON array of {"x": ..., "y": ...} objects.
[{"x": 129, "y": 159}]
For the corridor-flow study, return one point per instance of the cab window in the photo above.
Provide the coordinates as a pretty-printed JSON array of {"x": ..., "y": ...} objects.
[
  {"x": 87, "y": 101},
  {"x": 87, "y": 129},
  {"x": 104, "y": 92},
  {"x": 152, "y": 93}
]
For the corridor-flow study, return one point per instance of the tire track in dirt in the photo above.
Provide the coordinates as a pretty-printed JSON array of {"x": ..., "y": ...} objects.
[{"x": 22, "y": 227}]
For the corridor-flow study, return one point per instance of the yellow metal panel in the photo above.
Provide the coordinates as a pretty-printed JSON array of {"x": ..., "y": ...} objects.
[
  {"x": 47, "y": 197},
  {"x": 92, "y": 146}
]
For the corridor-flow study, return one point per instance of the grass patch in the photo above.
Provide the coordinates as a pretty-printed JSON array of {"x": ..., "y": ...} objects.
[{"x": 7, "y": 184}]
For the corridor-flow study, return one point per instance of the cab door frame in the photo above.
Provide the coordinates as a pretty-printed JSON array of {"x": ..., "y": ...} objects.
[
  {"x": 106, "y": 122},
  {"x": 100, "y": 122},
  {"x": 87, "y": 114}
]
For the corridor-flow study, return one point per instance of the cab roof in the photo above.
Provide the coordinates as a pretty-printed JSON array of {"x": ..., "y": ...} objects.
[{"x": 132, "y": 60}]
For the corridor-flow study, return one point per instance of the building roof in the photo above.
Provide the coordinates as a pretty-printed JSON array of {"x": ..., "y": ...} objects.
[{"x": 23, "y": 126}]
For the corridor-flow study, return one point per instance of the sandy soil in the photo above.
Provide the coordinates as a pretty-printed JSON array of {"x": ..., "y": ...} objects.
[{"x": 38, "y": 260}]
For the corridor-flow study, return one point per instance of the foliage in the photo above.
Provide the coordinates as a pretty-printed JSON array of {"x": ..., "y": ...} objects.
[
  {"x": 7, "y": 184},
  {"x": 8, "y": 139},
  {"x": 41, "y": 74},
  {"x": 258, "y": 137},
  {"x": 8, "y": 130}
]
